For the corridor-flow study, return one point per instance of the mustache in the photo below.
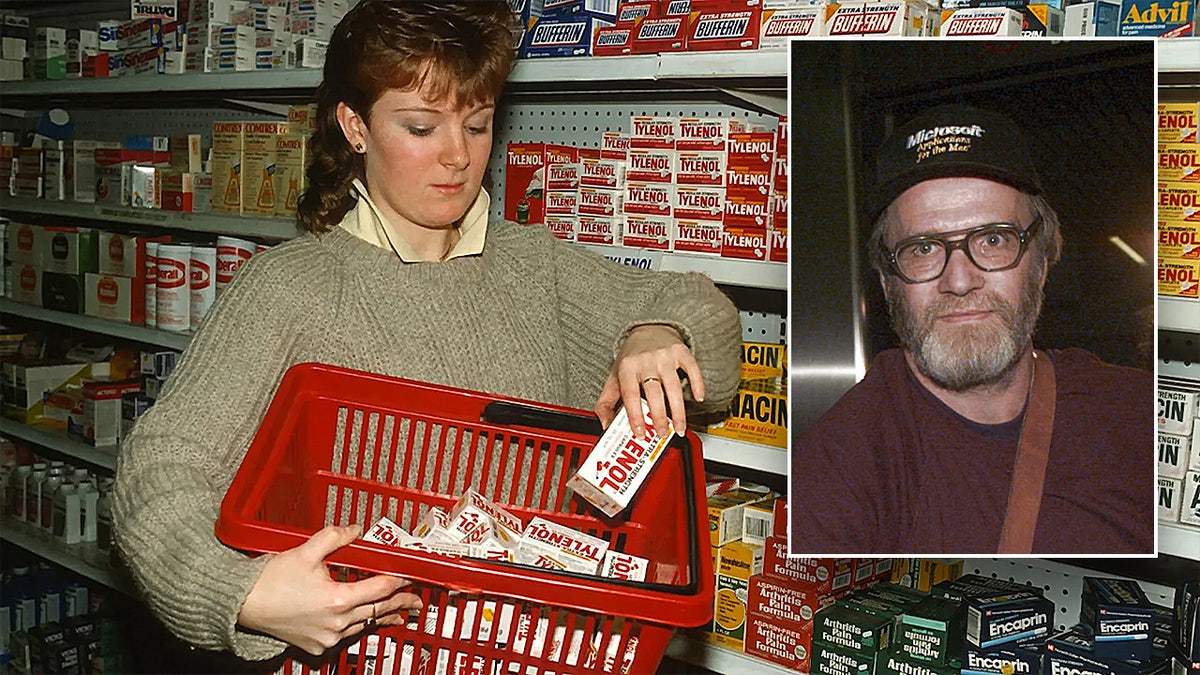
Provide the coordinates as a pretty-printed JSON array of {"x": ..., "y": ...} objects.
[{"x": 975, "y": 302}]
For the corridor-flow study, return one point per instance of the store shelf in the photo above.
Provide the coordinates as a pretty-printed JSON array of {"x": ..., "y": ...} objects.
[
  {"x": 103, "y": 326},
  {"x": 1179, "y": 540},
  {"x": 1179, "y": 314},
  {"x": 685, "y": 648},
  {"x": 68, "y": 556},
  {"x": 103, "y": 456},
  {"x": 773, "y": 275},
  {"x": 246, "y": 226},
  {"x": 615, "y": 70},
  {"x": 747, "y": 455},
  {"x": 1179, "y": 54}
]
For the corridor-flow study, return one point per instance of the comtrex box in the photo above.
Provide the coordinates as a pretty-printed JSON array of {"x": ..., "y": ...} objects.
[
  {"x": 1120, "y": 617},
  {"x": 1002, "y": 619}
]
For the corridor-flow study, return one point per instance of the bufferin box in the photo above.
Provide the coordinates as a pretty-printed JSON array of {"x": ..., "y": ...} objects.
[
  {"x": 876, "y": 18},
  {"x": 981, "y": 21},
  {"x": 782, "y": 24}
]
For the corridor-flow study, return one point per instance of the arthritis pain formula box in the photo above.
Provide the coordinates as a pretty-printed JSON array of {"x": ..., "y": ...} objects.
[
  {"x": 1179, "y": 240},
  {"x": 1179, "y": 277},
  {"x": 618, "y": 466},
  {"x": 981, "y": 21},
  {"x": 1179, "y": 163},
  {"x": 1177, "y": 122}
]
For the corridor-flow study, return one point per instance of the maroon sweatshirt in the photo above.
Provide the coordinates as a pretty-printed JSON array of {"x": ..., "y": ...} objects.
[{"x": 892, "y": 470}]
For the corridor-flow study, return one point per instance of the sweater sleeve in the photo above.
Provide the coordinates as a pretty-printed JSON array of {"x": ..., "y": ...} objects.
[
  {"x": 181, "y": 456},
  {"x": 601, "y": 301}
]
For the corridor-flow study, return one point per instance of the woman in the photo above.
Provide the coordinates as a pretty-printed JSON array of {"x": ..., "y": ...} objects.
[{"x": 398, "y": 273}]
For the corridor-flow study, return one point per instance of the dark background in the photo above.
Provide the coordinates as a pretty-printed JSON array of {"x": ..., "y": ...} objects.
[{"x": 1087, "y": 108}]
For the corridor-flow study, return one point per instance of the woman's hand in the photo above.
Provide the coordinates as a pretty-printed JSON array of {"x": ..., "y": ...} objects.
[
  {"x": 647, "y": 367},
  {"x": 296, "y": 601}
]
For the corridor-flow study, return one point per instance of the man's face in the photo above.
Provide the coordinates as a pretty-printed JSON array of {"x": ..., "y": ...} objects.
[{"x": 967, "y": 328}]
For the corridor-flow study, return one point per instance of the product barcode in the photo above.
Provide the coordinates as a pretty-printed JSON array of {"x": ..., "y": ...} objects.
[
  {"x": 974, "y": 622},
  {"x": 757, "y": 528}
]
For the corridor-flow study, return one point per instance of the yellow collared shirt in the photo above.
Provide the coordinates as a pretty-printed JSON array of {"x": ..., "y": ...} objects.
[{"x": 368, "y": 224}]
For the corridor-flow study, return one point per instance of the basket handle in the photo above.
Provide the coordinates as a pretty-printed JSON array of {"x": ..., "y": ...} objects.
[{"x": 516, "y": 414}]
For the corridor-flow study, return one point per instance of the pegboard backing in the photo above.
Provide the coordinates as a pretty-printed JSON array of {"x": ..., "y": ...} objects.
[
  {"x": 582, "y": 124},
  {"x": 1061, "y": 583},
  {"x": 762, "y": 327},
  {"x": 114, "y": 125}
]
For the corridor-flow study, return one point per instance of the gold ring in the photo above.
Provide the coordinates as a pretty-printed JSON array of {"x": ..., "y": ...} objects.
[
  {"x": 650, "y": 379},
  {"x": 372, "y": 621}
]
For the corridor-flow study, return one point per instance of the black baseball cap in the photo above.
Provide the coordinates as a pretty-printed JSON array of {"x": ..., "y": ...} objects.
[{"x": 952, "y": 141}]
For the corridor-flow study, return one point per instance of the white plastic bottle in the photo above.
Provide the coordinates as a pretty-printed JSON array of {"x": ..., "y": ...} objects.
[{"x": 30, "y": 491}]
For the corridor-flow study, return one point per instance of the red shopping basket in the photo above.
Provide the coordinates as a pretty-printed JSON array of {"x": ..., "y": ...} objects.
[{"x": 339, "y": 446}]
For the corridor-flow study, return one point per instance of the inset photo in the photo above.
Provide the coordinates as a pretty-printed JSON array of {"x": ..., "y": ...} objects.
[{"x": 971, "y": 343}]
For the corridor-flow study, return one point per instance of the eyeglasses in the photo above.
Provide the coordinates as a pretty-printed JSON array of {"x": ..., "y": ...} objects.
[{"x": 991, "y": 248}]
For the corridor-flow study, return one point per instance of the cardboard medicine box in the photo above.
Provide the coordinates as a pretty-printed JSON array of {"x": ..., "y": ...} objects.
[
  {"x": 1179, "y": 277},
  {"x": 725, "y": 519},
  {"x": 1189, "y": 508},
  {"x": 228, "y": 142},
  {"x": 756, "y": 416},
  {"x": 1179, "y": 162},
  {"x": 1177, "y": 122},
  {"x": 258, "y": 166},
  {"x": 26, "y": 243},
  {"x": 1179, "y": 240},
  {"x": 1176, "y": 410},
  {"x": 115, "y": 297},
  {"x": 777, "y": 642},
  {"x": 1170, "y": 496},
  {"x": 1092, "y": 18},
  {"x": 69, "y": 250},
  {"x": 853, "y": 630},
  {"x": 930, "y": 632},
  {"x": 1172, "y": 455}
]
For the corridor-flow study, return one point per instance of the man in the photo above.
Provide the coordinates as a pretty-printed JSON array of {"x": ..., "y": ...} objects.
[{"x": 919, "y": 457}]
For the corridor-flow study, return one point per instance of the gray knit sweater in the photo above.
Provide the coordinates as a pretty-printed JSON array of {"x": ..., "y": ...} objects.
[{"x": 532, "y": 317}]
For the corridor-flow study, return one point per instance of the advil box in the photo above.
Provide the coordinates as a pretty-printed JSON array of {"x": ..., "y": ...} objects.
[
  {"x": 561, "y": 35},
  {"x": 780, "y": 25},
  {"x": 1179, "y": 278},
  {"x": 874, "y": 18},
  {"x": 1158, "y": 18},
  {"x": 1179, "y": 240},
  {"x": 976, "y": 21},
  {"x": 1179, "y": 162},
  {"x": 524, "y": 183},
  {"x": 724, "y": 25},
  {"x": 1177, "y": 122},
  {"x": 659, "y": 35}
]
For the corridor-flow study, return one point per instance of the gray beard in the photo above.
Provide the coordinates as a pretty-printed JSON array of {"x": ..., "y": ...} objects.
[{"x": 960, "y": 358}]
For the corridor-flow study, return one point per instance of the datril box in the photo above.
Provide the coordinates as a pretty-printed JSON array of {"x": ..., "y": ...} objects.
[
  {"x": 1179, "y": 240},
  {"x": 1179, "y": 162},
  {"x": 1179, "y": 202},
  {"x": 1179, "y": 277},
  {"x": 782, "y": 24},
  {"x": 1177, "y": 122},
  {"x": 981, "y": 21},
  {"x": 1158, "y": 18},
  {"x": 724, "y": 25},
  {"x": 875, "y": 18}
]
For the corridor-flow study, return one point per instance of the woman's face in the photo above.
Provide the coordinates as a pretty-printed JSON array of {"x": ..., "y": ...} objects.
[{"x": 425, "y": 159}]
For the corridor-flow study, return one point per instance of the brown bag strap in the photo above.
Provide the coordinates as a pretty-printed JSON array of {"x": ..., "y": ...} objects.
[{"x": 1033, "y": 453}]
